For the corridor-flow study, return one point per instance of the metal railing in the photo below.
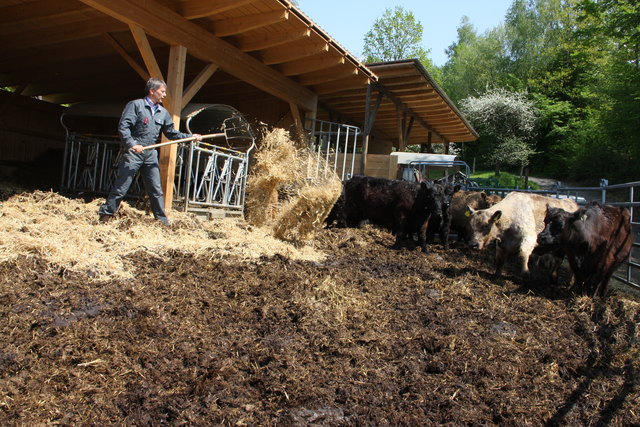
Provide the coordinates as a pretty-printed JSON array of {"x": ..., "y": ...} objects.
[
  {"x": 91, "y": 164},
  {"x": 209, "y": 176},
  {"x": 333, "y": 143}
]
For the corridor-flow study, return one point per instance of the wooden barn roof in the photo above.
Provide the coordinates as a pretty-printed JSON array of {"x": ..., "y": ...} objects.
[
  {"x": 68, "y": 51},
  {"x": 411, "y": 103}
]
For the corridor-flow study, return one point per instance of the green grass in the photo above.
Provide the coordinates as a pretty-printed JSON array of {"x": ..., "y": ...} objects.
[{"x": 504, "y": 180}]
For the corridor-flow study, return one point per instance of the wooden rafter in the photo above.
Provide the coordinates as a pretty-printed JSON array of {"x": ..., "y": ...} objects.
[
  {"x": 328, "y": 75},
  {"x": 401, "y": 106},
  {"x": 339, "y": 86},
  {"x": 198, "y": 82},
  {"x": 125, "y": 55},
  {"x": 24, "y": 13},
  {"x": 194, "y": 9},
  {"x": 145, "y": 50},
  {"x": 266, "y": 40},
  {"x": 307, "y": 65},
  {"x": 65, "y": 33},
  {"x": 278, "y": 55},
  {"x": 233, "y": 26}
]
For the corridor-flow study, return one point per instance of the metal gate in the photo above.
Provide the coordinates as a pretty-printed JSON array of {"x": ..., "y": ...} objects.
[
  {"x": 335, "y": 145},
  {"x": 90, "y": 165}
]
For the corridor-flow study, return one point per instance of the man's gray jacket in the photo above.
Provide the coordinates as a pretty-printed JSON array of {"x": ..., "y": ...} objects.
[{"x": 138, "y": 125}]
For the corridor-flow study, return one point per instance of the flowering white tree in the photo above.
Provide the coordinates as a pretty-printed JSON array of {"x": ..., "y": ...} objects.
[{"x": 506, "y": 121}]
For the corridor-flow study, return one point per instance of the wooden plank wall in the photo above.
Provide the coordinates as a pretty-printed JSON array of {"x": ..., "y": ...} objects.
[
  {"x": 378, "y": 165},
  {"x": 29, "y": 128}
]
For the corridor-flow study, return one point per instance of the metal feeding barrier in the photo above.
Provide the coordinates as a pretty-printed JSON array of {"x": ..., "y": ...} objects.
[
  {"x": 213, "y": 178},
  {"x": 335, "y": 147},
  {"x": 210, "y": 178}
]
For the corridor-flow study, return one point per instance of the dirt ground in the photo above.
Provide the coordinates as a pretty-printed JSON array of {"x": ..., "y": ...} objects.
[{"x": 367, "y": 336}]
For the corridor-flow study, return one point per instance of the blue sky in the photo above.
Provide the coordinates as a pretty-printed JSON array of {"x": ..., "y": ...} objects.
[{"x": 347, "y": 21}]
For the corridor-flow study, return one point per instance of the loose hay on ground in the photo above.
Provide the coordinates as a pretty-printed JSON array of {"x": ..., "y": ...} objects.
[{"x": 66, "y": 233}]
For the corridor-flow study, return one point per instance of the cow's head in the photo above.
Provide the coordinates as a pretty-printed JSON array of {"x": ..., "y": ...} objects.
[
  {"x": 435, "y": 198},
  {"x": 449, "y": 191},
  {"x": 485, "y": 226},
  {"x": 556, "y": 222}
]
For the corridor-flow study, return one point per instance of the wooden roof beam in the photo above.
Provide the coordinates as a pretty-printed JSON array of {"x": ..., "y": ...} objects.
[
  {"x": 146, "y": 51},
  {"x": 243, "y": 24},
  {"x": 341, "y": 85},
  {"x": 198, "y": 82},
  {"x": 65, "y": 33},
  {"x": 279, "y": 55},
  {"x": 125, "y": 55},
  {"x": 302, "y": 66},
  {"x": 264, "y": 41},
  {"x": 168, "y": 26},
  {"x": 330, "y": 74},
  {"x": 395, "y": 81},
  {"x": 23, "y": 13},
  {"x": 403, "y": 107},
  {"x": 194, "y": 9}
]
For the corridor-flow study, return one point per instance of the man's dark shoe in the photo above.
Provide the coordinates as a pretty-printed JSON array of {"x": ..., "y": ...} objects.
[{"x": 105, "y": 218}]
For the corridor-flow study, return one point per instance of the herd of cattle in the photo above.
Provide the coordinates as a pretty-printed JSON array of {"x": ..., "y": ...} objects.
[{"x": 595, "y": 238}]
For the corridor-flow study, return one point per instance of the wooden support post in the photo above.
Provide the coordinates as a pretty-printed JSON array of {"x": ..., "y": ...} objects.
[
  {"x": 407, "y": 129},
  {"x": 429, "y": 144},
  {"x": 401, "y": 118},
  {"x": 175, "y": 83},
  {"x": 297, "y": 122},
  {"x": 446, "y": 147},
  {"x": 367, "y": 128}
]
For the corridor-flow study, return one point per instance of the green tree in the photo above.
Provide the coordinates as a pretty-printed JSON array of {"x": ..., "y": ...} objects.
[
  {"x": 475, "y": 63},
  {"x": 506, "y": 122},
  {"x": 394, "y": 36}
]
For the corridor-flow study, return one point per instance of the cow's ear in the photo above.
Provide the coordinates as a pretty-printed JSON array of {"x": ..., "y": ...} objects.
[
  {"x": 470, "y": 211},
  {"x": 496, "y": 216},
  {"x": 483, "y": 195},
  {"x": 456, "y": 188}
]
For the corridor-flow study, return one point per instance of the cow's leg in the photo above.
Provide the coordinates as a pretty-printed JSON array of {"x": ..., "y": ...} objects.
[
  {"x": 422, "y": 235},
  {"x": 444, "y": 233},
  {"x": 526, "y": 249},
  {"x": 500, "y": 257}
]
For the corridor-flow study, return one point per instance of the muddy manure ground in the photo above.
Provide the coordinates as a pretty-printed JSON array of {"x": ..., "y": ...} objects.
[{"x": 365, "y": 336}]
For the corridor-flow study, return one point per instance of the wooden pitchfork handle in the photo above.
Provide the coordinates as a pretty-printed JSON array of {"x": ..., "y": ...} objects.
[{"x": 177, "y": 141}]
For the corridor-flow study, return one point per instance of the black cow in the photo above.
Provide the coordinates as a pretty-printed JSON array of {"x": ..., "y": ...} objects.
[
  {"x": 596, "y": 239},
  {"x": 402, "y": 207}
]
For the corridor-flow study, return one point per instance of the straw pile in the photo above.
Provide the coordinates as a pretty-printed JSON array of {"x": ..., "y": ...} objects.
[
  {"x": 67, "y": 235},
  {"x": 282, "y": 196}
]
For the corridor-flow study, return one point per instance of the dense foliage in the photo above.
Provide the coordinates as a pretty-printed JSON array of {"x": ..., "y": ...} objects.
[
  {"x": 577, "y": 61},
  {"x": 394, "y": 36},
  {"x": 507, "y": 121}
]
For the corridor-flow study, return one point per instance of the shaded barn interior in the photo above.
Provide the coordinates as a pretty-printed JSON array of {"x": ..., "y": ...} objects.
[{"x": 265, "y": 58}]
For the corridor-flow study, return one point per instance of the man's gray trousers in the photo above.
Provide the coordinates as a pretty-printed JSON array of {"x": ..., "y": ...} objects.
[{"x": 130, "y": 163}]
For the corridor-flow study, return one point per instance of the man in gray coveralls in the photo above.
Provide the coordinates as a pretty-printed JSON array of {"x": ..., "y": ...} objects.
[{"x": 140, "y": 125}]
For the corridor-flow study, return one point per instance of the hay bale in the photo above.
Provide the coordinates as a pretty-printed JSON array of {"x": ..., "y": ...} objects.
[
  {"x": 304, "y": 214},
  {"x": 274, "y": 166},
  {"x": 282, "y": 195}
]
